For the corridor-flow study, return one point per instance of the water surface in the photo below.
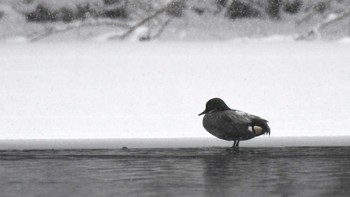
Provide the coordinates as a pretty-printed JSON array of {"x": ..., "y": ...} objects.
[{"x": 212, "y": 171}]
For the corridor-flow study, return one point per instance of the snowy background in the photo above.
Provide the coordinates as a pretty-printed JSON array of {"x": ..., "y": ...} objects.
[{"x": 66, "y": 79}]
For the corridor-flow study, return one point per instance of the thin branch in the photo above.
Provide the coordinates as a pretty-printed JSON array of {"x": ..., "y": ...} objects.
[
  {"x": 161, "y": 29},
  {"x": 335, "y": 19},
  {"x": 56, "y": 29},
  {"x": 315, "y": 32},
  {"x": 311, "y": 14},
  {"x": 143, "y": 21}
]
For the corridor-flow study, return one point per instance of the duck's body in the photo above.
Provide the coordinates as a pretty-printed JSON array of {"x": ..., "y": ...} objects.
[{"x": 232, "y": 125}]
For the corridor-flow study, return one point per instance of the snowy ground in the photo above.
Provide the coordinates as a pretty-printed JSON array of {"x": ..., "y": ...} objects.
[{"x": 157, "y": 89}]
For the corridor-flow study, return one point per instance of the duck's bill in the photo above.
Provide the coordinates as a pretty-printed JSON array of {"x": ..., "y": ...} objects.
[{"x": 202, "y": 113}]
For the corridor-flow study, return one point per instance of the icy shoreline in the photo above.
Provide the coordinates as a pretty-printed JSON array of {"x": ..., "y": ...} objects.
[{"x": 323, "y": 141}]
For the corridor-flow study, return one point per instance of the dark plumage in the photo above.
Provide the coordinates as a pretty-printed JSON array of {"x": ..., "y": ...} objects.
[{"x": 230, "y": 124}]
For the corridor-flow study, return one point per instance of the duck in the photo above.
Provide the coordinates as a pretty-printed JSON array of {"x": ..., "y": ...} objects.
[{"x": 231, "y": 124}]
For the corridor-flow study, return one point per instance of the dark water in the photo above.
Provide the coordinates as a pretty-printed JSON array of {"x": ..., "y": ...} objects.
[{"x": 214, "y": 171}]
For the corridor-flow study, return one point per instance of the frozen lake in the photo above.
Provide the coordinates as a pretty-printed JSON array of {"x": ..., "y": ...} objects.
[{"x": 211, "y": 171}]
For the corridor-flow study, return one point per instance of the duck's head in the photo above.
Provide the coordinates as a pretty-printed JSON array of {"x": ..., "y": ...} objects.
[{"x": 214, "y": 105}]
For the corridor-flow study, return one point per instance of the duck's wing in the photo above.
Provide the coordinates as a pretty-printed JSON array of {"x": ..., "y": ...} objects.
[
  {"x": 236, "y": 117},
  {"x": 256, "y": 124}
]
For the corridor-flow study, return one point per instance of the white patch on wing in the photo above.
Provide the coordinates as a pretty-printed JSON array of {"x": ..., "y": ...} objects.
[
  {"x": 258, "y": 130},
  {"x": 250, "y": 128}
]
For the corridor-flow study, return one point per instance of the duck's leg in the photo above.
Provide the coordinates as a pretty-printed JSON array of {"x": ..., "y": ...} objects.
[
  {"x": 234, "y": 144},
  {"x": 237, "y": 144}
]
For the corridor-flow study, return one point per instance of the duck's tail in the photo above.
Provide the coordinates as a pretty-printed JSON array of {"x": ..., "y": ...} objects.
[{"x": 261, "y": 127}]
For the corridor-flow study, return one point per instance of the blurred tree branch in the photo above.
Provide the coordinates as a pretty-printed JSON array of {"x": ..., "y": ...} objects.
[
  {"x": 157, "y": 22},
  {"x": 144, "y": 20},
  {"x": 315, "y": 31},
  {"x": 54, "y": 29},
  {"x": 319, "y": 9}
]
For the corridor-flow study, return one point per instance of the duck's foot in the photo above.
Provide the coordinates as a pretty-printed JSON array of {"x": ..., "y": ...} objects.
[
  {"x": 231, "y": 150},
  {"x": 235, "y": 149}
]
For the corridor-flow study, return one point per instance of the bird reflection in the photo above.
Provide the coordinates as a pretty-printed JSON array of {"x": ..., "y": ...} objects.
[
  {"x": 218, "y": 172},
  {"x": 233, "y": 172}
]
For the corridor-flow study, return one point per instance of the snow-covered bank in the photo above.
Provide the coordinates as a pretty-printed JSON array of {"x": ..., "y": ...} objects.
[{"x": 113, "y": 90}]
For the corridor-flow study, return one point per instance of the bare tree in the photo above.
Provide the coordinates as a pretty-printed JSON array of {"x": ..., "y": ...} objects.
[{"x": 152, "y": 14}]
